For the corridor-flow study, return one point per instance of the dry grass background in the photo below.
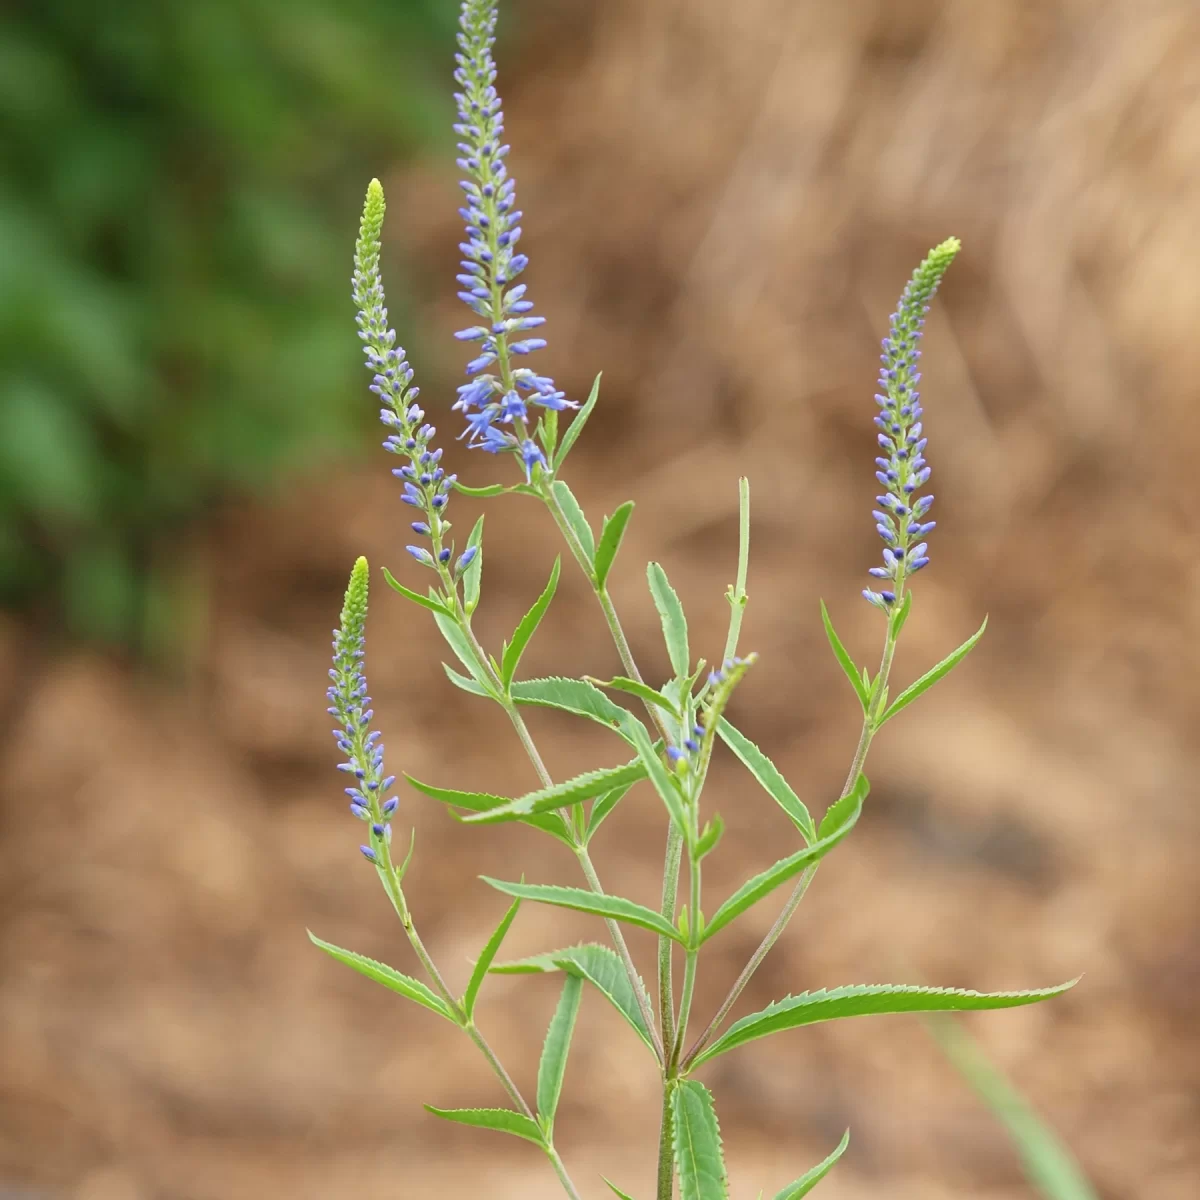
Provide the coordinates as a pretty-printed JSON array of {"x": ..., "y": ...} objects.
[{"x": 724, "y": 201}]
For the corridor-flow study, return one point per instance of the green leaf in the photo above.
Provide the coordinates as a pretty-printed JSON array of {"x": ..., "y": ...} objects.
[
  {"x": 479, "y": 802},
  {"x": 547, "y": 430},
  {"x": 482, "y": 493},
  {"x": 467, "y": 685},
  {"x": 710, "y": 836},
  {"x": 501, "y": 1119},
  {"x": 698, "y": 1154},
  {"x": 574, "y": 696},
  {"x": 474, "y": 572},
  {"x": 642, "y": 691},
  {"x": 844, "y": 659},
  {"x": 615, "y": 907},
  {"x": 863, "y": 1000},
  {"x": 572, "y": 791},
  {"x": 810, "y": 1179},
  {"x": 570, "y": 695},
  {"x": 528, "y": 624},
  {"x": 616, "y": 1190},
  {"x": 927, "y": 680},
  {"x": 765, "y": 771},
  {"x": 900, "y": 615},
  {"x": 553, "y": 1064},
  {"x": 663, "y": 780},
  {"x": 575, "y": 518},
  {"x": 674, "y": 623},
  {"x": 754, "y": 890},
  {"x": 487, "y": 957},
  {"x": 602, "y": 808},
  {"x": 576, "y": 426},
  {"x": 601, "y": 967},
  {"x": 610, "y": 541},
  {"x": 463, "y": 651},
  {"x": 1049, "y": 1165},
  {"x": 412, "y": 989},
  {"x": 845, "y": 810},
  {"x": 424, "y": 601}
]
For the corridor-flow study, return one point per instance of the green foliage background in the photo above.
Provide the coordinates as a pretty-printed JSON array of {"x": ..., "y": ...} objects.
[{"x": 177, "y": 183}]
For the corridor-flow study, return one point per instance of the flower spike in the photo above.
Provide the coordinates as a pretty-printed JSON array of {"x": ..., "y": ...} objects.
[
  {"x": 494, "y": 401},
  {"x": 426, "y": 484},
  {"x": 900, "y": 518},
  {"x": 350, "y": 704}
]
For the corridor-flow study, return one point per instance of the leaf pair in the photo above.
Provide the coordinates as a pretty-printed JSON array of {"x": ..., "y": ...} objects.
[{"x": 861, "y": 683}]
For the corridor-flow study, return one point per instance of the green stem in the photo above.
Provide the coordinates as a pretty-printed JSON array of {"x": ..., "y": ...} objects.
[
  {"x": 693, "y": 954},
  {"x": 870, "y": 717},
  {"x": 666, "y": 1149},
  {"x": 589, "y": 870},
  {"x": 391, "y": 883}
]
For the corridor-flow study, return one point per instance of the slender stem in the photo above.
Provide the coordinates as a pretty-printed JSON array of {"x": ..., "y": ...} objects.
[
  {"x": 737, "y": 594},
  {"x": 666, "y": 1149},
  {"x": 693, "y": 954},
  {"x": 870, "y": 717},
  {"x": 589, "y": 870},
  {"x": 666, "y": 946},
  {"x": 391, "y": 882}
]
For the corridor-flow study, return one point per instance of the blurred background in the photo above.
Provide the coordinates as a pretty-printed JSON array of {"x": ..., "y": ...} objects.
[{"x": 723, "y": 202}]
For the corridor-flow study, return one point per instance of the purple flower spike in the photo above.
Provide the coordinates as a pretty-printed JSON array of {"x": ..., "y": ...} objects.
[
  {"x": 349, "y": 702},
  {"x": 408, "y": 437},
  {"x": 903, "y": 471},
  {"x": 490, "y": 265}
]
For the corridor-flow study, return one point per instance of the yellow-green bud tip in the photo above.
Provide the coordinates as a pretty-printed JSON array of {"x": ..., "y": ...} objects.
[{"x": 354, "y": 610}]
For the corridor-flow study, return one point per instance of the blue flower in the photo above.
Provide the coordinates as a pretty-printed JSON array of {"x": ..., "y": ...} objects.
[
  {"x": 900, "y": 517},
  {"x": 350, "y": 704},
  {"x": 426, "y": 484},
  {"x": 490, "y": 264}
]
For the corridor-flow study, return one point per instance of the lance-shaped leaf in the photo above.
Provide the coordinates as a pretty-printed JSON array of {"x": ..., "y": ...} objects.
[
  {"x": 602, "y": 807},
  {"x": 763, "y": 884},
  {"x": 643, "y": 691},
  {"x": 553, "y": 1064},
  {"x": 845, "y": 810},
  {"x": 574, "y": 696},
  {"x": 575, "y": 519},
  {"x": 767, "y": 774},
  {"x": 674, "y": 623},
  {"x": 570, "y": 695},
  {"x": 457, "y": 640},
  {"x": 927, "y": 680},
  {"x": 483, "y": 493},
  {"x": 576, "y": 426},
  {"x": 474, "y": 572},
  {"x": 664, "y": 782},
  {"x": 525, "y": 630},
  {"x": 424, "y": 601},
  {"x": 503, "y": 1120},
  {"x": 487, "y": 957},
  {"x": 601, "y": 967},
  {"x": 587, "y": 786},
  {"x": 411, "y": 989},
  {"x": 844, "y": 659},
  {"x": 615, "y": 907},
  {"x": 809, "y": 1180},
  {"x": 616, "y": 1191},
  {"x": 698, "y": 1156},
  {"x": 864, "y": 1000},
  {"x": 610, "y": 541},
  {"x": 480, "y": 802}
]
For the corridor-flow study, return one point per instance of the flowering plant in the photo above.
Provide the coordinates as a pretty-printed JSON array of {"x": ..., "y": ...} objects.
[{"x": 510, "y": 410}]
